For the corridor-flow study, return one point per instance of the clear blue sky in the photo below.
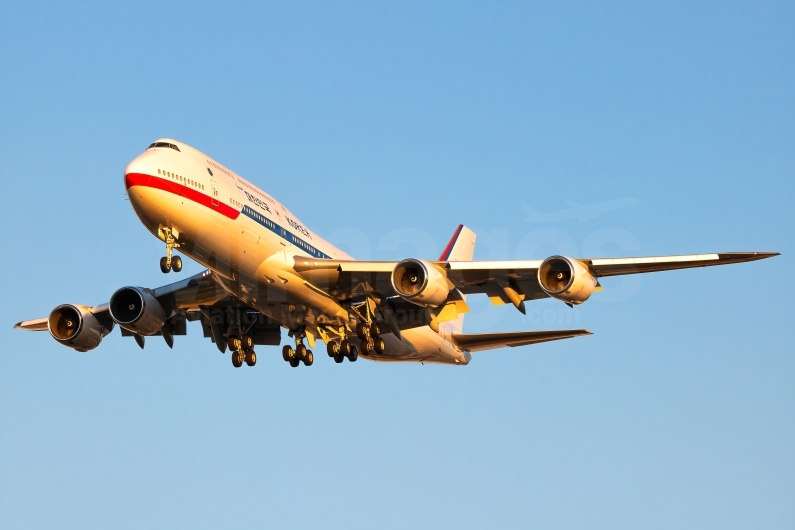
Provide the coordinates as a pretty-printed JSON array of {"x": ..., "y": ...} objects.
[{"x": 383, "y": 126}]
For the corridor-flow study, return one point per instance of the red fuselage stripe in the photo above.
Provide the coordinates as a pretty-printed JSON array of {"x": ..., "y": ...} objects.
[{"x": 150, "y": 181}]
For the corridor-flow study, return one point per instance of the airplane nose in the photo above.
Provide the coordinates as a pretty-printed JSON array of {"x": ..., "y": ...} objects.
[
  {"x": 136, "y": 170},
  {"x": 146, "y": 197}
]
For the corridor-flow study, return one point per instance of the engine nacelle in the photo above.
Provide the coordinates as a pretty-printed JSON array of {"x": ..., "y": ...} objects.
[
  {"x": 76, "y": 327},
  {"x": 566, "y": 279},
  {"x": 420, "y": 282},
  {"x": 137, "y": 310}
]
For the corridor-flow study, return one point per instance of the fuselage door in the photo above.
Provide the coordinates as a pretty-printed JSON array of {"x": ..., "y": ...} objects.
[{"x": 214, "y": 186}]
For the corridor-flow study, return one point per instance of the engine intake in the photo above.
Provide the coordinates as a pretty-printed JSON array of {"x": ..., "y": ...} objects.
[
  {"x": 420, "y": 282},
  {"x": 566, "y": 279},
  {"x": 76, "y": 327},
  {"x": 137, "y": 310}
]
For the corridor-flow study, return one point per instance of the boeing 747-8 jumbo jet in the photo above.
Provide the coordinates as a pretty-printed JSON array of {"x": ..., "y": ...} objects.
[{"x": 266, "y": 271}]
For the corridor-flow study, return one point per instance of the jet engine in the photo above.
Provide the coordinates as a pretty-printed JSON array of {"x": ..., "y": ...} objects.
[
  {"x": 137, "y": 310},
  {"x": 566, "y": 279},
  {"x": 76, "y": 327},
  {"x": 420, "y": 282}
]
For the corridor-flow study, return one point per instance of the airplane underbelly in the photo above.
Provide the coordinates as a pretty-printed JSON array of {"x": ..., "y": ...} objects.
[{"x": 420, "y": 344}]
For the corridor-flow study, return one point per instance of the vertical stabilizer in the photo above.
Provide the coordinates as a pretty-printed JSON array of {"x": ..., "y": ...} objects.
[{"x": 460, "y": 248}]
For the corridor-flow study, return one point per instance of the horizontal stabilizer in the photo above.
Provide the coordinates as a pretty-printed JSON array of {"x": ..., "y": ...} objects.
[
  {"x": 40, "y": 324},
  {"x": 489, "y": 341}
]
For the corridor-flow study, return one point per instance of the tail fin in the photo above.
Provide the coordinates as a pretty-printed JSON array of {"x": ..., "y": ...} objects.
[{"x": 460, "y": 248}]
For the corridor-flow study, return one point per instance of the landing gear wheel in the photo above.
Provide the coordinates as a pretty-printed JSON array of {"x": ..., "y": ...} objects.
[
  {"x": 379, "y": 345},
  {"x": 309, "y": 358},
  {"x": 294, "y": 363},
  {"x": 233, "y": 341},
  {"x": 237, "y": 362},
  {"x": 368, "y": 348},
  {"x": 288, "y": 354},
  {"x": 375, "y": 329},
  {"x": 300, "y": 352},
  {"x": 176, "y": 264},
  {"x": 333, "y": 348},
  {"x": 251, "y": 358},
  {"x": 338, "y": 358},
  {"x": 353, "y": 354},
  {"x": 164, "y": 265},
  {"x": 361, "y": 331},
  {"x": 345, "y": 348},
  {"x": 246, "y": 342}
]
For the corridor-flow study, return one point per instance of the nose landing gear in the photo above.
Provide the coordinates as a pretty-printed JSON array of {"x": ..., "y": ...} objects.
[{"x": 167, "y": 262}]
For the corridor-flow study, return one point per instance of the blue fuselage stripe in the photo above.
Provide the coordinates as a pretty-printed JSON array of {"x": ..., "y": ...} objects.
[{"x": 283, "y": 233}]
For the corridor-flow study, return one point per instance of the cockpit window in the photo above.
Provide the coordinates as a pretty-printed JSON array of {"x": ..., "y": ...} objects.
[{"x": 164, "y": 144}]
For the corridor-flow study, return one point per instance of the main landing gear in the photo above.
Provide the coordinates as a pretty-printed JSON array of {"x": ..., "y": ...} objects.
[
  {"x": 370, "y": 335},
  {"x": 299, "y": 354},
  {"x": 342, "y": 349},
  {"x": 368, "y": 329},
  {"x": 167, "y": 262},
  {"x": 242, "y": 350}
]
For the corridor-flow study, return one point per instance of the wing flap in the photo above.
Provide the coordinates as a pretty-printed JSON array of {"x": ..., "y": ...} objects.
[{"x": 489, "y": 341}]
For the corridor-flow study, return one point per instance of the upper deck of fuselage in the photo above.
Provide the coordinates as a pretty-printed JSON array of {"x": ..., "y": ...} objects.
[{"x": 170, "y": 159}]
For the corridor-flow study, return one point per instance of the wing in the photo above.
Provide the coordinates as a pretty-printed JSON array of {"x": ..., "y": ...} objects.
[
  {"x": 488, "y": 341},
  {"x": 618, "y": 266},
  {"x": 502, "y": 281},
  {"x": 189, "y": 294},
  {"x": 182, "y": 301},
  {"x": 39, "y": 324}
]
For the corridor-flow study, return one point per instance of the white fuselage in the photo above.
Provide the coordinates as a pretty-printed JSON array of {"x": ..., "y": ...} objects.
[{"x": 249, "y": 240}]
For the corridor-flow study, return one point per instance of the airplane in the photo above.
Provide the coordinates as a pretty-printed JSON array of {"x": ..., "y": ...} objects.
[
  {"x": 581, "y": 212},
  {"x": 266, "y": 271}
]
